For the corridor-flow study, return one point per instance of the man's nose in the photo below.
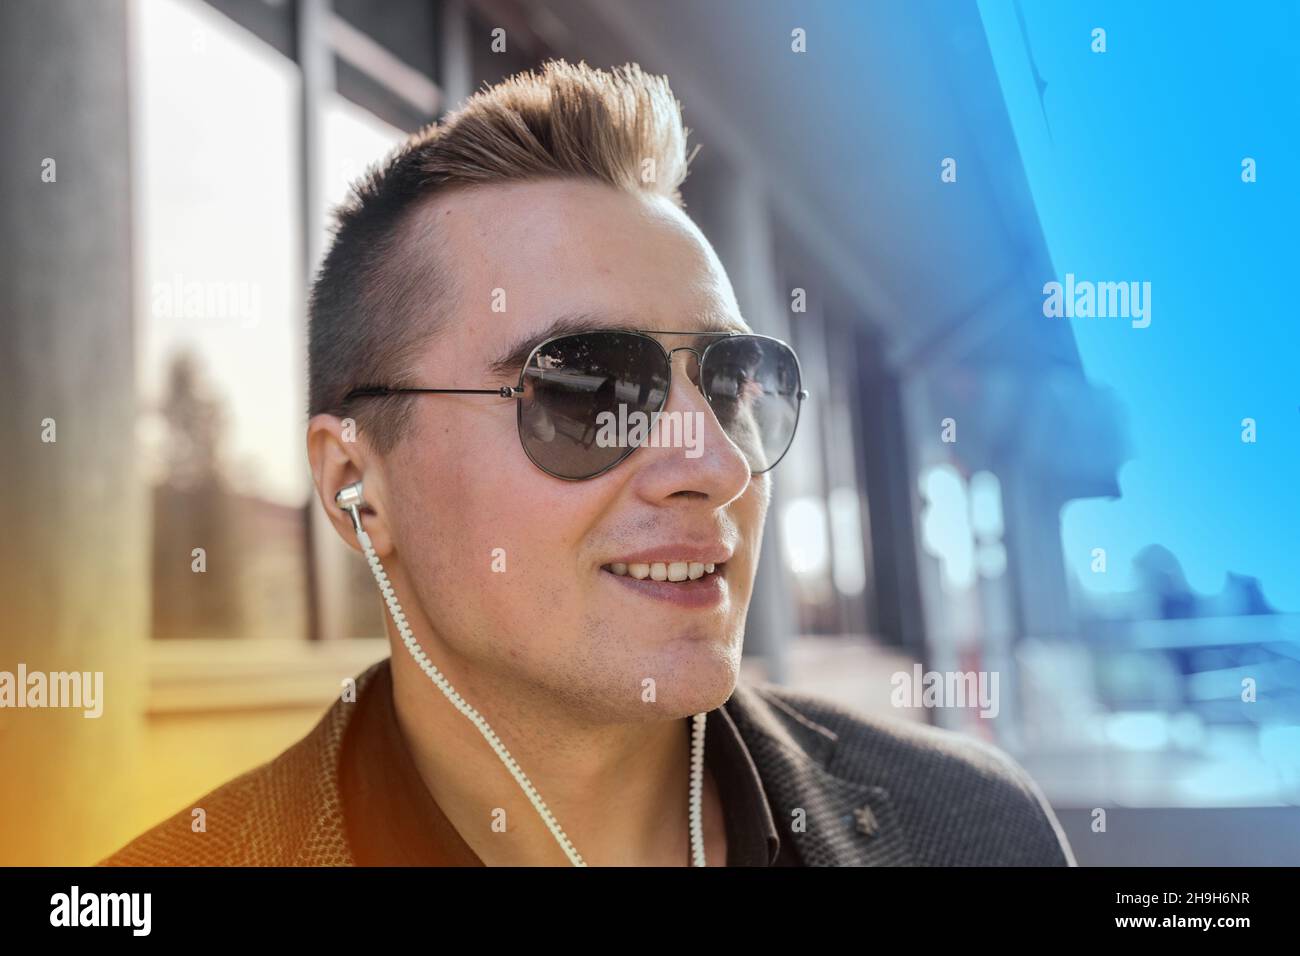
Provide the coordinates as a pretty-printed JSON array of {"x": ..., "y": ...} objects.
[{"x": 711, "y": 466}]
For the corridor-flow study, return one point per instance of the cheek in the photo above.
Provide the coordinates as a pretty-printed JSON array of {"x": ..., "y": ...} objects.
[
  {"x": 495, "y": 543},
  {"x": 750, "y": 514},
  {"x": 757, "y": 500},
  {"x": 536, "y": 526}
]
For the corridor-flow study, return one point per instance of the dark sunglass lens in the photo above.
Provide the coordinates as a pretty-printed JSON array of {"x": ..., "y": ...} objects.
[
  {"x": 753, "y": 385},
  {"x": 574, "y": 387}
]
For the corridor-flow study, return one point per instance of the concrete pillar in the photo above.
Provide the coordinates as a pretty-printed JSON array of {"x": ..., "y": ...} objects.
[{"x": 74, "y": 553}]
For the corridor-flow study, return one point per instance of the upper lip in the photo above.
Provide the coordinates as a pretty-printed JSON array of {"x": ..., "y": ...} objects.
[{"x": 665, "y": 554}]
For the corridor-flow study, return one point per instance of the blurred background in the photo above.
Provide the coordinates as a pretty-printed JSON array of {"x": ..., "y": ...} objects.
[{"x": 1077, "y": 505}]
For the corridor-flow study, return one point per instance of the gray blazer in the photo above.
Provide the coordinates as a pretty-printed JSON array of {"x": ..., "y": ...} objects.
[{"x": 874, "y": 793}]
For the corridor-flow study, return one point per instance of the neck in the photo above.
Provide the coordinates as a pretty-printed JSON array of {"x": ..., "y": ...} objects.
[{"x": 619, "y": 790}]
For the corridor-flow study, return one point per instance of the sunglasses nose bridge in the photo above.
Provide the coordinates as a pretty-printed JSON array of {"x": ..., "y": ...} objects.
[{"x": 692, "y": 375}]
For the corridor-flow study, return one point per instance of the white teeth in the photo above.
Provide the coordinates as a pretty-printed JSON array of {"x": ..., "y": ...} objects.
[{"x": 664, "y": 570}]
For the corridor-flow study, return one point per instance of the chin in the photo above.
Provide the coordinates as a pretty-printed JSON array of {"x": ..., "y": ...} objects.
[{"x": 700, "y": 672}]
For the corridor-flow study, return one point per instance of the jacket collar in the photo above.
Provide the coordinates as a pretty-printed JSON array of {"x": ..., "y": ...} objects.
[
  {"x": 325, "y": 840},
  {"x": 843, "y": 822}
]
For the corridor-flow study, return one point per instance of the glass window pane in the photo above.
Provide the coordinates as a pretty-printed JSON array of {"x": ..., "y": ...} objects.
[{"x": 220, "y": 345}]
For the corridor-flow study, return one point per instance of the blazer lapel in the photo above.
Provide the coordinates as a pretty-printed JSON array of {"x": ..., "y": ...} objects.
[{"x": 847, "y": 823}]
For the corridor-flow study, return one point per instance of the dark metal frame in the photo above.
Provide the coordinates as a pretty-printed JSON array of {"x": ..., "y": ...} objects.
[{"x": 515, "y": 391}]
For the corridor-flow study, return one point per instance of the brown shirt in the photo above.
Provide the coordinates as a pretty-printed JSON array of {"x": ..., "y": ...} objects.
[{"x": 392, "y": 820}]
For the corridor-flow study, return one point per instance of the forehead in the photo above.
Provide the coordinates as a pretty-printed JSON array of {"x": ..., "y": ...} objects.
[{"x": 524, "y": 255}]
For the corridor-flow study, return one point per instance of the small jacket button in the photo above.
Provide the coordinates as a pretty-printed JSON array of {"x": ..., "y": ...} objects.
[{"x": 867, "y": 824}]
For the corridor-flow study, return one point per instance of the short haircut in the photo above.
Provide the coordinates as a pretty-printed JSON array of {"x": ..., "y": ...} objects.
[{"x": 385, "y": 284}]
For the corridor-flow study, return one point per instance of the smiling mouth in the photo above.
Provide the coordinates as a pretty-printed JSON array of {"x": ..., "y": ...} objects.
[{"x": 676, "y": 572}]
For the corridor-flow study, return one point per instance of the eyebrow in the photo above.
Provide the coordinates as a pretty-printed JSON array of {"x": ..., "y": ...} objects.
[{"x": 513, "y": 357}]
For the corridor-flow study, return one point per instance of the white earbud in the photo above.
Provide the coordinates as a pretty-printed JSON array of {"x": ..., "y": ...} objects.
[{"x": 351, "y": 499}]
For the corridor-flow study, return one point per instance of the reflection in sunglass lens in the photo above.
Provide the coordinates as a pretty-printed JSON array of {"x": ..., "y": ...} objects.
[
  {"x": 753, "y": 386},
  {"x": 570, "y": 381}
]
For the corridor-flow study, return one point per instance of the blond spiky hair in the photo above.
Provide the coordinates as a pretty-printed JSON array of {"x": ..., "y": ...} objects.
[{"x": 568, "y": 120}]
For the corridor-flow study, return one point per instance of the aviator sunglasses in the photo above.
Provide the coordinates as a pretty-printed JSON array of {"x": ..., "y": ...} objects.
[{"x": 571, "y": 383}]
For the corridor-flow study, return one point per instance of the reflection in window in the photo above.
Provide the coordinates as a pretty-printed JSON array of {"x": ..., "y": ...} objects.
[
  {"x": 220, "y": 326},
  {"x": 807, "y": 550}
]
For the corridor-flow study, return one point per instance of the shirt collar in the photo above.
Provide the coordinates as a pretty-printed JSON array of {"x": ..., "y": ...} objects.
[{"x": 752, "y": 837}]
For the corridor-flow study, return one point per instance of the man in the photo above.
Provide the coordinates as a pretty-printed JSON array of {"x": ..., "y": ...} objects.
[{"x": 561, "y": 608}]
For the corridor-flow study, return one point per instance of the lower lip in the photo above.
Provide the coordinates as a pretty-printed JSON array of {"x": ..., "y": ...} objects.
[{"x": 706, "y": 592}]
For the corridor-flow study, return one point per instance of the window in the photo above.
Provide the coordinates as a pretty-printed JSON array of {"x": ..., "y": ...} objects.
[{"x": 220, "y": 323}]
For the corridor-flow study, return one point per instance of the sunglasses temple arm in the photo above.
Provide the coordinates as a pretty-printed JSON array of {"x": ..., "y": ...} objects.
[{"x": 505, "y": 391}]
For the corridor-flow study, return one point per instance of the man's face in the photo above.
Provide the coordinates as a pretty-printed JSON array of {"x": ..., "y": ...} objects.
[{"x": 556, "y": 620}]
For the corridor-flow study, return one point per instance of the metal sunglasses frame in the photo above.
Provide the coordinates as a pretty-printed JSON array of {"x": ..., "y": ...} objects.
[{"x": 517, "y": 391}]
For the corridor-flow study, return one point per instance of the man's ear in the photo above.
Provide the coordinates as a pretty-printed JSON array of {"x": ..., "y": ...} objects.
[{"x": 336, "y": 462}]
